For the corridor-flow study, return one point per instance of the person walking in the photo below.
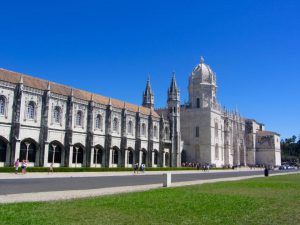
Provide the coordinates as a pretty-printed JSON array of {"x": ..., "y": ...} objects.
[
  {"x": 24, "y": 166},
  {"x": 17, "y": 163},
  {"x": 50, "y": 168}
]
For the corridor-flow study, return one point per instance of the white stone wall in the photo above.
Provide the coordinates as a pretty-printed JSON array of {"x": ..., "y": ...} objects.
[{"x": 7, "y": 91}]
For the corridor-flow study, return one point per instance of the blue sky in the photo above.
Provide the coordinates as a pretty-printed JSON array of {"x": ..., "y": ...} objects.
[{"x": 110, "y": 48}]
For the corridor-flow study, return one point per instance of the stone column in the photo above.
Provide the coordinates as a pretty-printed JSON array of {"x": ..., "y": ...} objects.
[
  {"x": 17, "y": 150},
  {"x": 46, "y": 152},
  {"x": 70, "y": 156},
  {"x": 125, "y": 157},
  {"x": 8, "y": 153},
  {"x": 93, "y": 149},
  {"x": 110, "y": 157},
  {"x": 152, "y": 158},
  {"x": 163, "y": 159}
]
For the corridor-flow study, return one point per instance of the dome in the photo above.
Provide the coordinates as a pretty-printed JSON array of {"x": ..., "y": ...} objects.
[{"x": 203, "y": 71}]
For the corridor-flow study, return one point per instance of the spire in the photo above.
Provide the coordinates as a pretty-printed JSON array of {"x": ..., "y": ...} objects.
[
  {"x": 49, "y": 86},
  {"x": 201, "y": 60},
  {"x": 148, "y": 97},
  {"x": 173, "y": 86},
  {"x": 21, "y": 79}
]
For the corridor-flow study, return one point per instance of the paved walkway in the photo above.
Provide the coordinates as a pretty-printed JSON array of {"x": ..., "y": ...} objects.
[
  {"x": 102, "y": 174},
  {"x": 72, "y": 194}
]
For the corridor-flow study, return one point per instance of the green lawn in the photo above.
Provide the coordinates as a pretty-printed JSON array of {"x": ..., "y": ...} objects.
[{"x": 261, "y": 201}]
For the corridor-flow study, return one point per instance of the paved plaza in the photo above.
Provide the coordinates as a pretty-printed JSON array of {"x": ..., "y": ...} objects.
[{"x": 60, "y": 186}]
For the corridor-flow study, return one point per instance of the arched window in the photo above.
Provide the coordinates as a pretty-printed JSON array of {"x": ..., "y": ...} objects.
[
  {"x": 28, "y": 151},
  {"x": 98, "y": 155},
  {"x": 56, "y": 114},
  {"x": 216, "y": 151},
  {"x": 54, "y": 154},
  {"x": 144, "y": 129},
  {"x": 98, "y": 122},
  {"x": 31, "y": 110},
  {"x": 198, "y": 102},
  {"x": 3, "y": 147},
  {"x": 130, "y": 129},
  {"x": 115, "y": 125},
  {"x": 216, "y": 130},
  {"x": 130, "y": 157},
  {"x": 115, "y": 156},
  {"x": 144, "y": 156},
  {"x": 155, "y": 133},
  {"x": 2, "y": 105},
  {"x": 79, "y": 118},
  {"x": 155, "y": 157},
  {"x": 77, "y": 154}
]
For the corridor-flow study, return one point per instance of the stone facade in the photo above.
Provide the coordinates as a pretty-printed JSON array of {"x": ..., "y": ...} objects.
[
  {"x": 45, "y": 122},
  {"x": 214, "y": 135}
]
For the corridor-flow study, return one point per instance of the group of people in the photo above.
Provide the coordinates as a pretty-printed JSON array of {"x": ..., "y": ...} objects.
[
  {"x": 137, "y": 168},
  {"x": 23, "y": 166}
]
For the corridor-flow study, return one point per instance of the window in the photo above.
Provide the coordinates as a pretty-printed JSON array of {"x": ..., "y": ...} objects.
[
  {"x": 216, "y": 130},
  {"x": 198, "y": 102},
  {"x": 130, "y": 130},
  {"x": 79, "y": 118},
  {"x": 143, "y": 129},
  {"x": 56, "y": 114},
  {"x": 155, "y": 133},
  {"x": 197, "y": 131},
  {"x": 115, "y": 125},
  {"x": 98, "y": 122},
  {"x": 2, "y": 105},
  {"x": 31, "y": 110},
  {"x": 216, "y": 151}
]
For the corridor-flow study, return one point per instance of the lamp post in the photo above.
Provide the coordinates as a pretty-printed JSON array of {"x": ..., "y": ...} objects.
[
  {"x": 53, "y": 155},
  {"x": 27, "y": 149},
  {"x": 76, "y": 154}
]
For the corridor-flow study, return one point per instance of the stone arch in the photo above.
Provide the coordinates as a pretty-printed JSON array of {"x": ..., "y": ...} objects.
[
  {"x": 167, "y": 159},
  {"x": 116, "y": 156},
  {"x": 4, "y": 148},
  {"x": 56, "y": 152},
  {"x": 183, "y": 156},
  {"x": 78, "y": 154},
  {"x": 98, "y": 155},
  {"x": 144, "y": 156},
  {"x": 28, "y": 151},
  {"x": 155, "y": 157},
  {"x": 130, "y": 156}
]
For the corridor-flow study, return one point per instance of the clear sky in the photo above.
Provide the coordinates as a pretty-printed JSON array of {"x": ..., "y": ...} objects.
[{"x": 110, "y": 48}]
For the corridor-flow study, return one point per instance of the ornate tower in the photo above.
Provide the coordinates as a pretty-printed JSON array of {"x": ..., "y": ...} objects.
[
  {"x": 202, "y": 86},
  {"x": 148, "y": 97},
  {"x": 174, "y": 117}
]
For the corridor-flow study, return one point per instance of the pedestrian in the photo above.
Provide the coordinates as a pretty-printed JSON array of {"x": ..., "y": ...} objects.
[
  {"x": 136, "y": 168},
  {"x": 143, "y": 168},
  {"x": 50, "y": 168},
  {"x": 24, "y": 166},
  {"x": 17, "y": 163}
]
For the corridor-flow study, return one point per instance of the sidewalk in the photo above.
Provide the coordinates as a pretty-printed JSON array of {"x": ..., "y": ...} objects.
[
  {"x": 73, "y": 194},
  {"x": 102, "y": 174}
]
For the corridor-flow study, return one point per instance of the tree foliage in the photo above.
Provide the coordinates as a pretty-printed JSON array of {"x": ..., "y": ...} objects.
[{"x": 290, "y": 149}]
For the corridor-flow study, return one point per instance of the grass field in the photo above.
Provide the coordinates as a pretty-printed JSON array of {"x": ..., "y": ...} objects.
[{"x": 261, "y": 201}]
